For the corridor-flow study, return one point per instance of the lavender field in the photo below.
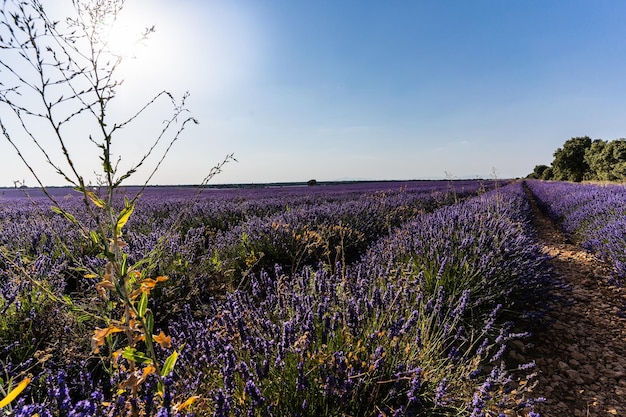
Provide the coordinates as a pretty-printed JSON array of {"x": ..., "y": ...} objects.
[
  {"x": 339, "y": 300},
  {"x": 592, "y": 214}
]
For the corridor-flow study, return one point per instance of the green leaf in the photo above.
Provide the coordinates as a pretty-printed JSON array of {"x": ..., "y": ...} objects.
[
  {"x": 83, "y": 318},
  {"x": 65, "y": 214},
  {"x": 169, "y": 364},
  {"x": 68, "y": 300},
  {"x": 106, "y": 164},
  {"x": 142, "y": 306},
  {"x": 124, "y": 264},
  {"x": 135, "y": 356},
  {"x": 94, "y": 237},
  {"x": 149, "y": 319}
]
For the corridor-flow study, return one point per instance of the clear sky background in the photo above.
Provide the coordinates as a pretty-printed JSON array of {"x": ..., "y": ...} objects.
[{"x": 371, "y": 90}]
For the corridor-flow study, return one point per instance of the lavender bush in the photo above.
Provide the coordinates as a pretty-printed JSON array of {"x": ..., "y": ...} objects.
[{"x": 593, "y": 215}]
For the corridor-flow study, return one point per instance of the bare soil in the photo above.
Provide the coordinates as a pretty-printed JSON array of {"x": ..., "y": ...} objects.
[{"x": 581, "y": 353}]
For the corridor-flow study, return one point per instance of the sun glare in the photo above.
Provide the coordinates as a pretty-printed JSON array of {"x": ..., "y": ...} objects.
[
  {"x": 211, "y": 47},
  {"x": 125, "y": 40},
  {"x": 129, "y": 35}
]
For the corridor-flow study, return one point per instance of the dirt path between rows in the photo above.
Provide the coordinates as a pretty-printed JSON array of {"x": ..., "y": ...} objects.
[{"x": 581, "y": 354}]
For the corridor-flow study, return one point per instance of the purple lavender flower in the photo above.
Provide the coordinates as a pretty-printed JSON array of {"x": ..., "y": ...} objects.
[
  {"x": 440, "y": 393},
  {"x": 254, "y": 393}
]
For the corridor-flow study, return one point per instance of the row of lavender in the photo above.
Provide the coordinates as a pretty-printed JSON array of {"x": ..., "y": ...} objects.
[
  {"x": 221, "y": 232},
  {"x": 593, "y": 214},
  {"x": 417, "y": 327},
  {"x": 221, "y": 235}
]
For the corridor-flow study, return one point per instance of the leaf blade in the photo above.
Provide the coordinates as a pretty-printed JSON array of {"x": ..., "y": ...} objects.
[
  {"x": 123, "y": 218},
  {"x": 142, "y": 306},
  {"x": 14, "y": 392},
  {"x": 169, "y": 363},
  {"x": 134, "y": 355}
]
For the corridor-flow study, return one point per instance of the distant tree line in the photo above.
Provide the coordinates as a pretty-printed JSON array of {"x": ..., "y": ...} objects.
[{"x": 582, "y": 158}]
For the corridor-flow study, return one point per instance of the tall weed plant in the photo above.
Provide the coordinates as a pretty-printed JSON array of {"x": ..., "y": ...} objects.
[{"x": 59, "y": 79}]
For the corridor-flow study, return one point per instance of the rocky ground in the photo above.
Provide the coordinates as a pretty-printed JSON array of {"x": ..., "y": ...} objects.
[{"x": 581, "y": 353}]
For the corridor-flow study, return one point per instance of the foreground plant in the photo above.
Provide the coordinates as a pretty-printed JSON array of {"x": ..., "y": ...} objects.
[{"x": 58, "y": 81}]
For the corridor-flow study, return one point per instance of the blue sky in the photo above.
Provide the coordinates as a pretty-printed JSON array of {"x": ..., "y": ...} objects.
[{"x": 347, "y": 89}]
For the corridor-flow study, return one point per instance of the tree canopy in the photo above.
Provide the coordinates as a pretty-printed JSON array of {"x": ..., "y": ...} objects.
[{"x": 581, "y": 158}]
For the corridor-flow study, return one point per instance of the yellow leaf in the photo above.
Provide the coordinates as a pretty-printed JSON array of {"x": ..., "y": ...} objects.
[
  {"x": 190, "y": 401},
  {"x": 149, "y": 283},
  {"x": 95, "y": 199},
  {"x": 148, "y": 370},
  {"x": 14, "y": 392},
  {"x": 91, "y": 276},
  {"x": 107, "y": 284},
  {"x": 99, "y": 335},
  {"x": 123, "y": 218},
  {"x": 133, "y": 295},
  {"x": 163, "y": 340}
]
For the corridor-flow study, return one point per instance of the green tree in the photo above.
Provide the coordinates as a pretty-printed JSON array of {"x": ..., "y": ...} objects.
[
  {"x": 594, "y": 157},
  {"x": 548, "y": 174},
  {"x": 607, "y": 160},
  {"x": 538, "y": 171},
  {"x": 569, "y": 161},
  {"x": 615, "y": 153}
]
